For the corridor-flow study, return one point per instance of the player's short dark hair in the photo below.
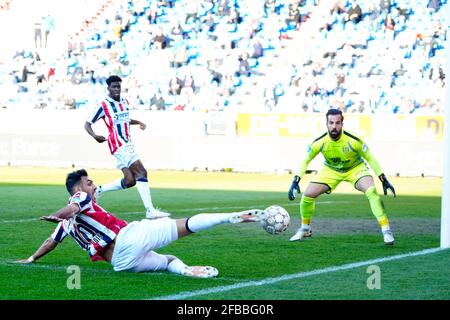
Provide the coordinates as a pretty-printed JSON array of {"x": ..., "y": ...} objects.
[
  {"x": 112, "y": 79},
  {"x": 334, "y": 112},
  {"x": 74, "y": 178}
]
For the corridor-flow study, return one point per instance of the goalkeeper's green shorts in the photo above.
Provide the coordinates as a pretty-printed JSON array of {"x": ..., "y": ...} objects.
[{"x": 332, "y": 178}]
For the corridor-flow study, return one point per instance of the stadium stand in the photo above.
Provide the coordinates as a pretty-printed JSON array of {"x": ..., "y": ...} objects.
[{"x": 255, "y": 55}]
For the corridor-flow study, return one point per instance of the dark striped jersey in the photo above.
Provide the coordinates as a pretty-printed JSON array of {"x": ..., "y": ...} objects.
[
  {"x": 93, "y": 228},
  {"x": 116, "y": 116}
]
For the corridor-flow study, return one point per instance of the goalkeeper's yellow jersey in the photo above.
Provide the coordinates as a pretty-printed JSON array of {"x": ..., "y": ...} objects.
[{"x": 341, "y": 155}]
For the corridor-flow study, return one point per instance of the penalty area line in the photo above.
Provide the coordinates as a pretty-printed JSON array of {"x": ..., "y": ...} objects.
[{"x": 266, "y": 281}]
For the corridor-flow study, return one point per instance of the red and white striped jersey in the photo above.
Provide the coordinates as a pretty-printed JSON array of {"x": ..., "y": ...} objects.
[
  {"x": 117, "y": 119},
  {"x": 93, "y": 228}
]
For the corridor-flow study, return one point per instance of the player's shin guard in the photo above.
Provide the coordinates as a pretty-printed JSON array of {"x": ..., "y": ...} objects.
[
  {"x": 377, "y": 207},
  {"x": 307, "y": 207}
]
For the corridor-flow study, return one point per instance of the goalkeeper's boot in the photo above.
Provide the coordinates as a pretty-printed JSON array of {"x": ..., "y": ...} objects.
[
  {"x": 200, "y": 272},
  {"x": 301, "y": 234},
  {"x": 252, "y": 215},
  {"x": 388, "y": 237}
]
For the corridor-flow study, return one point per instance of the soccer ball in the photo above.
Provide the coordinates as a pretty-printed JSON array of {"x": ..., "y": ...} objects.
[{"x": 276, "y": 221}]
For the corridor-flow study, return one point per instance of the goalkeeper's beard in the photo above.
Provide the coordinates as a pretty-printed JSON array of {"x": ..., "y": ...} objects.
[{"x": 335, "y": 134}]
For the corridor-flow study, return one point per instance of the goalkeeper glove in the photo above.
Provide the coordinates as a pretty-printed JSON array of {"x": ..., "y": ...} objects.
[
  {"x": 294, "y": 186},
  {"x": 386, "y": 185}
]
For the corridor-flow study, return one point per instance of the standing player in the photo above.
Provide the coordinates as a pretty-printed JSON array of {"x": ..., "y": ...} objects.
[
  {"x": 344, "y": 154},
  {"x": 114, "y": 110},
  {"x": 128, "y": 246}
]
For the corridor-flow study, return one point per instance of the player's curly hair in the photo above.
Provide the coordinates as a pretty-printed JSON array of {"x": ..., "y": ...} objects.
[
  {"x": 74, "y": 178},
  {"x": 112, "y": 79}
]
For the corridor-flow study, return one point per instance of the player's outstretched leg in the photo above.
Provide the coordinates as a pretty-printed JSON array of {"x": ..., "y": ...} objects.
[{"x": 203, "y": 221}]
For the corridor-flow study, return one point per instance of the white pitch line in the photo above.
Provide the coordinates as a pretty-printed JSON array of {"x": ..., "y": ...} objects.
[
  {"x": 20, "y": 220},
  {"x": 64, "y": 268},
  {"x": 51, "y": 267},
  {"x": 256, "y": 283}
]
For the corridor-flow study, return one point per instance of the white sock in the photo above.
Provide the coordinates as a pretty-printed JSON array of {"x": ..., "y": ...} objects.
[
  {"x": 385, "y": 228},
  {"x": 112, "y": 186},
  {"x": 176, "y": 266},
  {"x": 305, "y": 226},
  {"x": 204, "y": 221},
  {"x": 144, "y": 192}
]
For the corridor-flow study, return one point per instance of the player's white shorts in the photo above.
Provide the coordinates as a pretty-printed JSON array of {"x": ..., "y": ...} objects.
[
  {"x": 126, "y": 156},
  {"x": 135, "y": 243}
]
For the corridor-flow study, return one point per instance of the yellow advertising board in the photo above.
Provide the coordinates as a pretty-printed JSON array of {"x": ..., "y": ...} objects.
[
  {"x": 296, "y": 125},
  {"x": 430, "y": 128}
]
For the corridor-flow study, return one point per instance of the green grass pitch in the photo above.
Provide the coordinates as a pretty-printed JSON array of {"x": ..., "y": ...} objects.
[{"x": 344, "y": 232}]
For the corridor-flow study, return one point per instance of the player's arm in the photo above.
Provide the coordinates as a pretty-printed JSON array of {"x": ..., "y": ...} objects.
[
  {"x": 313, "y": 150},
  {"x": 142, "y": 125},
  {"x": 364, "y": 151},
  {"x": 88, "y": 128},
  {"x": 47, "y": 246},
  {"x": 64, "y": 213}
]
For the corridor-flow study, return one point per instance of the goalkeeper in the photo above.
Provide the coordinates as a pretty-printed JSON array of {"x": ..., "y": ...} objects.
[{"x": 344, "y": 154}]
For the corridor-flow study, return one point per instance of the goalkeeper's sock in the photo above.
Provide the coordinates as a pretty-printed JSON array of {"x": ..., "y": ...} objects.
[
  {"x": 112, "y": 186},
  {"x": 307, "y": 207},
  {"x": 205, "y": 221},
  {"x": 377, "y": 207}
]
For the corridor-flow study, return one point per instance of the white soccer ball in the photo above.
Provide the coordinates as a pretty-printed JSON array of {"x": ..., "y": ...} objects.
[{"x": 276, "y": 221}]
